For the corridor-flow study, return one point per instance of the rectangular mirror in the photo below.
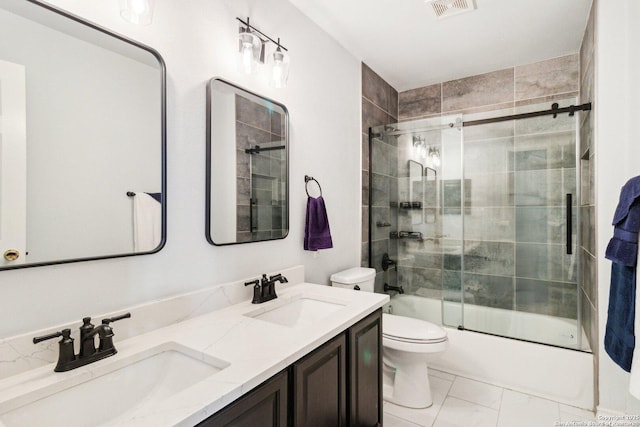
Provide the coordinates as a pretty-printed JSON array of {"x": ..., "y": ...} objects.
[
  {"x": 82, "y": 129},
  {"x": 247, "y": 166}
]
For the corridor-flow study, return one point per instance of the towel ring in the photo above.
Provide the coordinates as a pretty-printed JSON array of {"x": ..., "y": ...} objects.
[{"x": 308, "y": 178}]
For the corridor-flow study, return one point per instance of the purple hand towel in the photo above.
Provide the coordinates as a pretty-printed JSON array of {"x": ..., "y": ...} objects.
[{"x": 316, "y": 226}]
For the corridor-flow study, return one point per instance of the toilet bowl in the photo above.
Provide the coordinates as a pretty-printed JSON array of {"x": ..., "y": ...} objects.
[{"x": 406, "y": 346}]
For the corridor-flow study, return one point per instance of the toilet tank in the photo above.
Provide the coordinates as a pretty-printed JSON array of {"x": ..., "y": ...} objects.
[{"x": 359, "y": 278}]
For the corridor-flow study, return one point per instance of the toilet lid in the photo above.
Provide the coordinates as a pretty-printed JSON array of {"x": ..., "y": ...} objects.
[{"x": 408, "y": 329}]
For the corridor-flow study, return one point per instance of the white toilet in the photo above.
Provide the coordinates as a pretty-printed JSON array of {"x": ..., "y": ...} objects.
[{"x": 406, "y": 345}]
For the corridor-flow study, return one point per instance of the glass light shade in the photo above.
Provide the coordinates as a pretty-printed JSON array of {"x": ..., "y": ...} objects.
[
  {"x": 280, "y": 69},
  {"x": 250, "y": 47},
  {"x": 434, "y": 156},
  {"x": 137, "y": 11}
]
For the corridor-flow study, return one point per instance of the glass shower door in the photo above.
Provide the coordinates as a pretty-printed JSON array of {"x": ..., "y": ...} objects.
[
  {"x": 407, "y": 218},
  {"x": 519, "y": 269}
]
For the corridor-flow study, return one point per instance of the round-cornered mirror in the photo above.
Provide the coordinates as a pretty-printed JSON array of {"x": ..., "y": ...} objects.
[
  {"x": 247, "y": 166},
  {"x": 82, "y": 132}
]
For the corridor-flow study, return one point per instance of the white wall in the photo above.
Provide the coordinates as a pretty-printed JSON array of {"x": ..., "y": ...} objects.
[
  {"x": 617, "y": 159},
  {"x": 197, "y": 39}
]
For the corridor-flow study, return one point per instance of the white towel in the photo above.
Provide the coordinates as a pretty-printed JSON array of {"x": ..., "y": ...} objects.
[
  {"x": 634, "y": 379},
  {"x": 147, "y": 222}
]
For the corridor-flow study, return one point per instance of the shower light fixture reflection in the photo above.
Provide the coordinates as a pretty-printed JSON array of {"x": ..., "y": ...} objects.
[
  {"x": 420, "y": 146},
  {"x": 137, "y": 11},
  {"x": 434, "y": 156}
]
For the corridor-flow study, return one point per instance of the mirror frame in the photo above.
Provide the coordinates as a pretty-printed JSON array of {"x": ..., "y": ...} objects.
[
  {"x": 208, "y": 198},
  {"x": 163, "y": 134}
]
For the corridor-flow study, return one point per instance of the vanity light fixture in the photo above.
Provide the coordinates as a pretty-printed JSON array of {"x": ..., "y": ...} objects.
[
  {"x": 137, "y": 11},
  {"x": 252, "y": 45}
]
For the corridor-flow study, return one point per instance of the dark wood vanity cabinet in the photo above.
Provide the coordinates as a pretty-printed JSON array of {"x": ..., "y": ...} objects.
[
  {"x": 320, "y": 386},
  {"x": 338, "y": 384},
  {"x": 266, "y": 406},
  {"x": 364, "y": 341}
]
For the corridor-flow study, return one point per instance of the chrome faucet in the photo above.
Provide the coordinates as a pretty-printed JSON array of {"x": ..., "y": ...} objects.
[
  {"x": 264, "y": 289},
  {"x": 68, "y": 360}
]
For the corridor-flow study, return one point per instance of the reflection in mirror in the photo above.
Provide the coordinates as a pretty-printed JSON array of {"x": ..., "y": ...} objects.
[
  {"x": 82, "y": 124},
  {"x": 430, "y": 194},
  {"x": 416, "y": 190},
  {"x": 247, "y": 166}
]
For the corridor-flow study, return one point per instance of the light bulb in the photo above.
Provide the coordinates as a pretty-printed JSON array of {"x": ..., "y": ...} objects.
[
  {"x": 247, "y": 57},
  {"x": 137, "y": 11},
  {"x": 435, "y": 158},
  {"x": 280, "y": 70},
  {"x": 277, "y": 73},
  {"x": 138, "y": 7}
]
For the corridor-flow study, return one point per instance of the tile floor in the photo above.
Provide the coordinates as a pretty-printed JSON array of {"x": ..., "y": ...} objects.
[{"x": 461, "y": 402}]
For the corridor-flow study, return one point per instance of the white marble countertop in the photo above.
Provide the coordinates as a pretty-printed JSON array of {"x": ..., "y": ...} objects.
[{"x": 248, "y": 350}]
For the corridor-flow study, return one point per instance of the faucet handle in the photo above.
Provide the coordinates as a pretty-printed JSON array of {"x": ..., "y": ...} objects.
[
  {"x": 65, "y": 334},
  {"x": 115, "y": 318},
  {"x": 66, "y": 353},
  {"x": 253, "y": 282}
]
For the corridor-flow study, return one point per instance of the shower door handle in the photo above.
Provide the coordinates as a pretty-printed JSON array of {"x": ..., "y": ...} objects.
[{"x": 569, "y": 223}]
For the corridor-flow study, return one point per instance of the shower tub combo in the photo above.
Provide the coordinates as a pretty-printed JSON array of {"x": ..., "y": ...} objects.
[{"x": 473, "y": 225}]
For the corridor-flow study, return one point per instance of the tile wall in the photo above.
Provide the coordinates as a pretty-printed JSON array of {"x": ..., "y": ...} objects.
[
  {"x": 379, "y": 107},
  {"x": 508, "y": 88}
]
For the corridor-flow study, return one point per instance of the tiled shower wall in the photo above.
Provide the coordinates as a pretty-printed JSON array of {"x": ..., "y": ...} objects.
[
  {"x": 589, "y": 289},
  {"x": 379, "y": 107},
  {"x": 522, "y": 85},
  {"x": 259, "y": 195}
]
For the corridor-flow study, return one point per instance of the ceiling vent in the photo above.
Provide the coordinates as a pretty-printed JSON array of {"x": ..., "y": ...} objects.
[{"x": 446, "y": 8}]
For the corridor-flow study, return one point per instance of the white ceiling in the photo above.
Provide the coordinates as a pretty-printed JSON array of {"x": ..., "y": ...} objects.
[{"x": 404, "y": 42}]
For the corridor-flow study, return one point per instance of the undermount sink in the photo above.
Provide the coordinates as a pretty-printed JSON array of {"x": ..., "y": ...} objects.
[
  {"x": 298, "y": 311},
  {"x": 130, "y": 388}
]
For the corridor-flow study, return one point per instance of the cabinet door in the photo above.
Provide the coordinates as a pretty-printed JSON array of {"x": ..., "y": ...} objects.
[
  {"x": 365, "y": 371},
  {"x": 266, "y": 406},
  {"x": 319, "y": 386}
]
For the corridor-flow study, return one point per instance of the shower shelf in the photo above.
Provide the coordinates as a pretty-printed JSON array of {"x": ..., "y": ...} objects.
[
  {"x": 412, "y": 235},
  {"x": 406, "y": 205}
]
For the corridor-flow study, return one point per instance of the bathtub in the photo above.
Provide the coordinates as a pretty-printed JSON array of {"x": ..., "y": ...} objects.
[{"x": 560, "y": 374}]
